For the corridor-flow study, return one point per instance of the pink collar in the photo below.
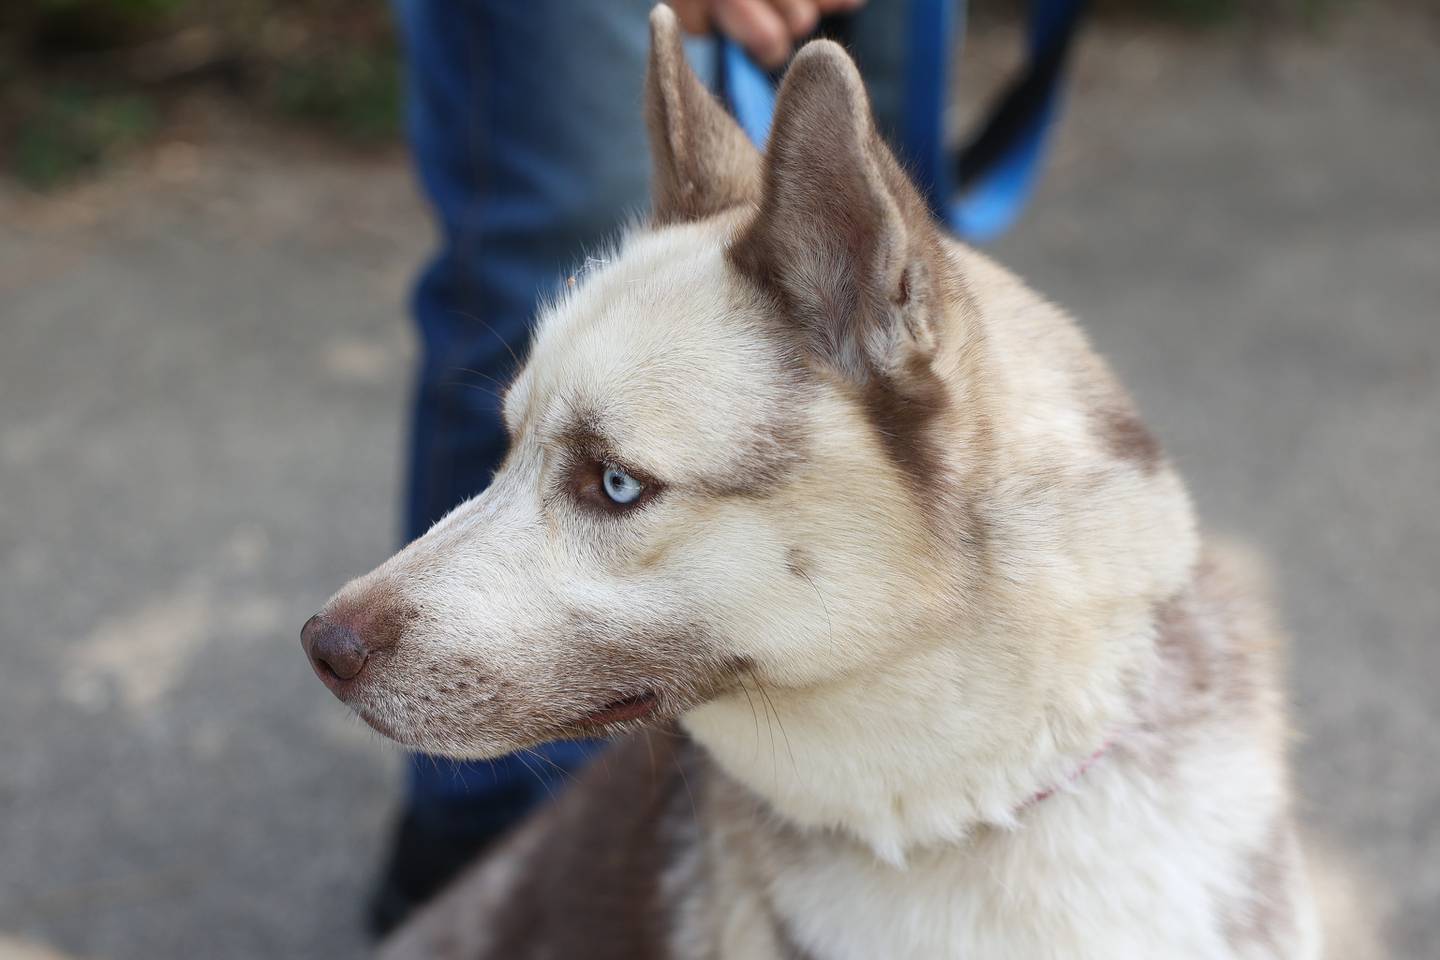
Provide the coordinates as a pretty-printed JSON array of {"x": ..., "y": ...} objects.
[{"x": 1075, "y": 774}]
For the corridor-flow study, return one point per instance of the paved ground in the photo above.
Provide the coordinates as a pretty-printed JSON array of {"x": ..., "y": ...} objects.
[{"x": 202, "y": 369}]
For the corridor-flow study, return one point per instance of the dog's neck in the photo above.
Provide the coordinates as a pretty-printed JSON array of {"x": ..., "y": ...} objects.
[{"x": 913, "y": 754}]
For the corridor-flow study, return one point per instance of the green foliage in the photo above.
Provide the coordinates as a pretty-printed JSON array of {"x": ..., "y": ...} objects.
[
  {"x": 354, "y": 92},
  {"x": 72, "y": 131},
  {"x": 138, "y": 8},
  {"x": 1198, "y": 10},
  {"x": 79, "y": 81},
  {"x": 68, "y": 26}
]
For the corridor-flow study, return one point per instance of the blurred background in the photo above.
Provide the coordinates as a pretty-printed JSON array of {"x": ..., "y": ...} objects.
[{"x": 208, "y": 228}]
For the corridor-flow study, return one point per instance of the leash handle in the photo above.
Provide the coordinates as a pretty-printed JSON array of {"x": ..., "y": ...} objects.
[{"x": 982, "y": 188}]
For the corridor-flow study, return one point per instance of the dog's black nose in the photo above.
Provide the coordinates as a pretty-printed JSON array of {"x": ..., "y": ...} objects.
[{"x": 335, "y": 650}]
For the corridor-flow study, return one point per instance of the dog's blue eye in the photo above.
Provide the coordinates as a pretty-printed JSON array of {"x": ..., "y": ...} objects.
[{"x": 620, "y": 486}]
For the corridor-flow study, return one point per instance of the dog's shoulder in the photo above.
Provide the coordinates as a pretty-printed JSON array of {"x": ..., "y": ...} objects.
[{"x": 591, "y": 875}]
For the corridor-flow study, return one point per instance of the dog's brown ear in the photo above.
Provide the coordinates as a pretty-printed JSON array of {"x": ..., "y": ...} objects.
[
  {"x": 842, "y": 239},
  {"x": 703, "y": 161}
]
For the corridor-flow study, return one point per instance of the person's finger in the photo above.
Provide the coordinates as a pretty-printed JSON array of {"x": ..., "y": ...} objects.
[
  {"x": 756, "y": 26},
  {"x": 839, "y": 6},
  {"x": 800, "y": 16},
  {"x": 694, "y": 15}
]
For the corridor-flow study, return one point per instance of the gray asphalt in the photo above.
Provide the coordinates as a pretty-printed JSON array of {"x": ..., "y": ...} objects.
[{"x": 203, "y": 367}]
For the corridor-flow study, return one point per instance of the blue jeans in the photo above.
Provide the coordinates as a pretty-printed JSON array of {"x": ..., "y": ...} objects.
[
  {"x": 527, "y": 128},
  {"x": 525, "y": 122}
]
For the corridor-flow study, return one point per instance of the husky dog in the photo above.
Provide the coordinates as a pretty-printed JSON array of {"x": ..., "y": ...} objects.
[{"x": 905, "y": 611}]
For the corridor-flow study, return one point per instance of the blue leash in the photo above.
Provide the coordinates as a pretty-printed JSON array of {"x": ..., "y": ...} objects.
[{"x": 981, "y": 190}]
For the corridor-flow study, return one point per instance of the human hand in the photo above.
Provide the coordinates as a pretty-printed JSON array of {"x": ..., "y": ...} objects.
[{"x": 767, "y": 29}]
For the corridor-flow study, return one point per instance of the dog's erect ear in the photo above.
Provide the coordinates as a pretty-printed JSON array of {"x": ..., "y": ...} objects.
[
  {"x": 704, "y": 163},
  {"x": 842, "y": 240}
]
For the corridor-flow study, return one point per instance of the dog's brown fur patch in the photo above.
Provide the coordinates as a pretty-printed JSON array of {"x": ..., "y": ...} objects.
[
  {"x": 1217, "y": 655},
  {"x": 1267, "y": 916},
  {"x": 1125, "y": 435},
  {"x": 593, "y": 888},
  {"x": 904, "y": 419},
  {"x": 797, "y": 561}
]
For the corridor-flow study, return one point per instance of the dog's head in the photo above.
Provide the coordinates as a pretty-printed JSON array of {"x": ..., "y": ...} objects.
[{"x": 754, "y": 444}]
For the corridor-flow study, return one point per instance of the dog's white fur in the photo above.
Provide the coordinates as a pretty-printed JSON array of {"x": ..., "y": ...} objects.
[{"x": 886, "y": 671}]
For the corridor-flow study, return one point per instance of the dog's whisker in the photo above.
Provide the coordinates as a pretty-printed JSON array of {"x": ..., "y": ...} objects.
[
  {"x": 829, "y": 623},
  {"x": 493, "y": 332},
  {"x": 680, "y": 769},
  {"x": 565, "y": 773},
  {"x": 755, "y": 716},
  {"x": 544, "y": 781},
  {"x": 795, "y": 768},
  {"x": 473, "y": 386}
]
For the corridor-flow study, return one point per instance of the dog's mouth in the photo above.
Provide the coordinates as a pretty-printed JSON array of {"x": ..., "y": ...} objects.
[
  {"x": 622, "y": 710},
  {"x": 383, "y": 727},
  {"x": 634, "y": 707}
]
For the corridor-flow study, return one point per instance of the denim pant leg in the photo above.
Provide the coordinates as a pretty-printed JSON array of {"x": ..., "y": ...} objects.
[
  {"x": 878, "y": 40},
  {"x": 526, "y": 126}
]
